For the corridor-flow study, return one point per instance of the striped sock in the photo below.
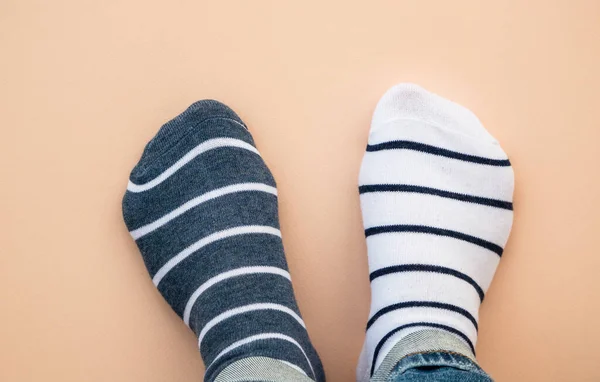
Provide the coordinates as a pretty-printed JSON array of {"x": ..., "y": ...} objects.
[
  {"x": 202, "y": 207},
  {"x": 436, "y": 196}
]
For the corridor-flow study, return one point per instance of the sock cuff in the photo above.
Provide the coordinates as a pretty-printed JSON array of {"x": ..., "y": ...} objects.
[{"x": 261, "y": 369}]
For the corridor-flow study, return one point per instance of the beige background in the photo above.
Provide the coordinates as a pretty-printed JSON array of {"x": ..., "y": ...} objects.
[{"x": 84, "y": 85}]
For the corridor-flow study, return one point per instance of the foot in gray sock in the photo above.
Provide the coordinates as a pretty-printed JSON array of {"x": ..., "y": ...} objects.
[{"x": 202, "y": 207}]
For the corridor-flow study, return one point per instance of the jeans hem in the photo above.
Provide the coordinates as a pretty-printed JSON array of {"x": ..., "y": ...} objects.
[
  {"x": 437, "y": 359},
  {"x": 421, "y": 342}
]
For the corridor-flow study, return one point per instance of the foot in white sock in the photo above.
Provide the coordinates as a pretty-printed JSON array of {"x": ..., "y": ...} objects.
[{"x": 436, "y": 197}]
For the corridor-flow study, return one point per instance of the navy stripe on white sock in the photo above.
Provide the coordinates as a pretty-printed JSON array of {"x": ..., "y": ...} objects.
[
  {"x": 427, "y": 268},
  {"x": 416, "y": 146},
  {"x": 422, "y": 304},
  {"x": 435, "y": 231},
  {"x": 365, "y": 189}
]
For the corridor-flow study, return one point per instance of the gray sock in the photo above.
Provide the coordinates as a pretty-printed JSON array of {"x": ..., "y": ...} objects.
[{"x": 202, "y": 207}]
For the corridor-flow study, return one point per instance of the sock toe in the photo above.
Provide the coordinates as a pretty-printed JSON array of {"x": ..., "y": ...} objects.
[
  {"x": 195, "y": 115},
  {"x": 411, "y": 102},
  {"x": 203, "y": 110},
  {"x": 186, "y": 130}
]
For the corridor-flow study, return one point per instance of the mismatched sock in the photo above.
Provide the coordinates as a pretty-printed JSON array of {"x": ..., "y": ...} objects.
[
  {"x": 436, "y": 197},
  {"x": 202, "y": 207}
]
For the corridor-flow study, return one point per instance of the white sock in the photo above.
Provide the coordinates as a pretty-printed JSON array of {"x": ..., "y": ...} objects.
[{"x": 436, "y": 196}]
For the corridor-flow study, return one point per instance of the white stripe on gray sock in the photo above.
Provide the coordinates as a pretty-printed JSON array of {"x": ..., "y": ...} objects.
[
  {"x": 243, "y": 230},
  {"x": 189, "y": 156}
]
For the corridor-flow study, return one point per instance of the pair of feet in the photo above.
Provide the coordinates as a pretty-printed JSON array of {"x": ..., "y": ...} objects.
[{"x": 435, "y": 190}]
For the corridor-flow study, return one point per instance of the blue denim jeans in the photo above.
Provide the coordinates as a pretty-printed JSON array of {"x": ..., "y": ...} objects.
[
  {"x": 437, "y": 367},
  {"x": 429, "y": 355}
]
